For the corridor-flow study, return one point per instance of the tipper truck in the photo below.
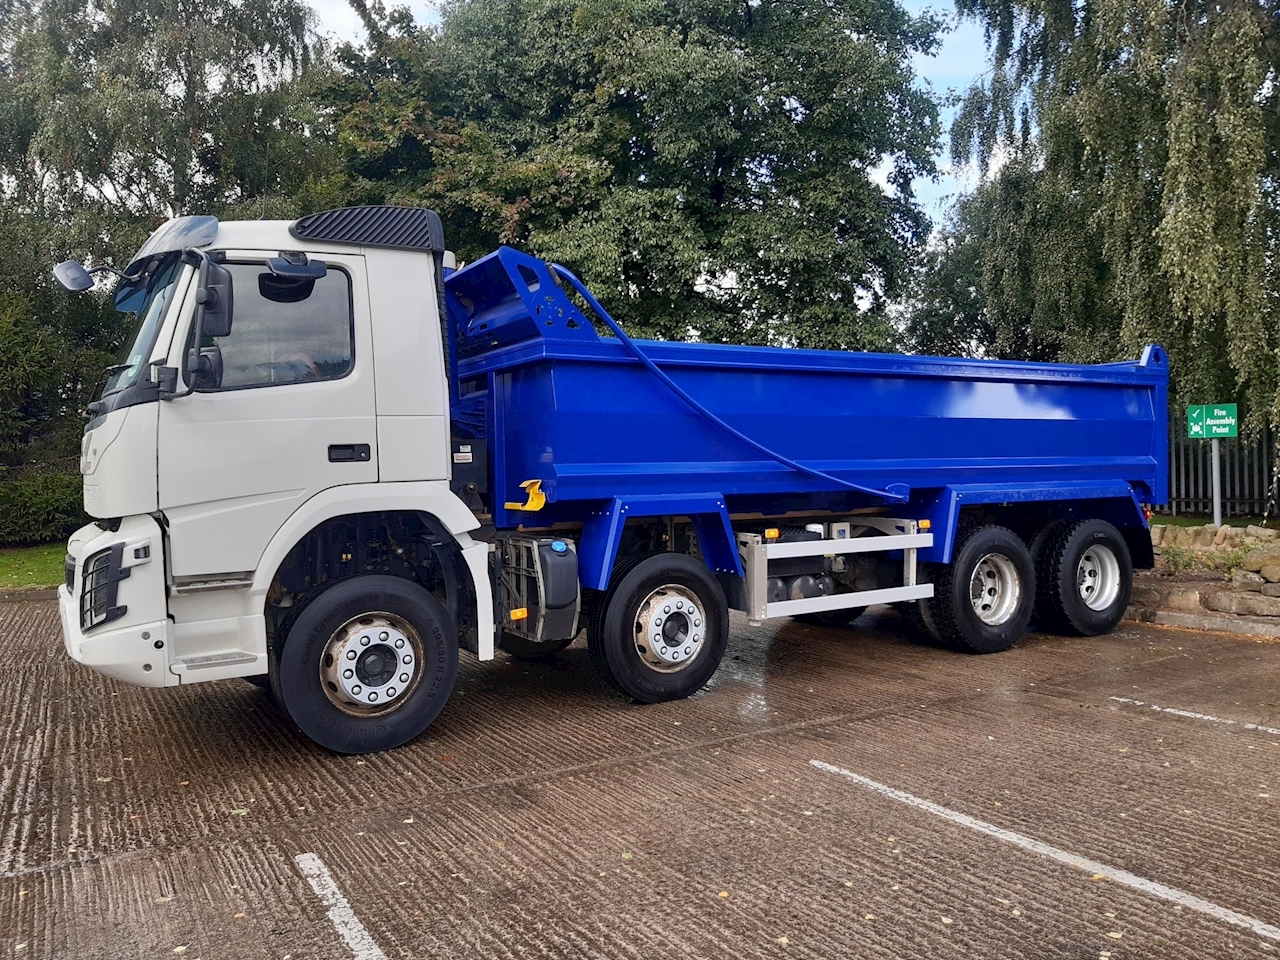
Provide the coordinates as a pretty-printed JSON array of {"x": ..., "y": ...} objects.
[{"x": 329, "y": 460}]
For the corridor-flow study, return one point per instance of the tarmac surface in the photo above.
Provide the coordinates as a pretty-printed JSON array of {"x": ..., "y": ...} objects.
[{"x": 1073, "y": 798}]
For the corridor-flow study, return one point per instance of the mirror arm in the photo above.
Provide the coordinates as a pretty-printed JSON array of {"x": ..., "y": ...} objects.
[
  {"x": 193, "y": 257},
  {"x": 107, "y": 268}
]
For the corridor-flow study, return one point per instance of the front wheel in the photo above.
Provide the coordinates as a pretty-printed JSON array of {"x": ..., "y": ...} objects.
[
  {"x": 663, "y": 628},
  {"x": 983, "y": 599},
  {"x": 368, "y": 664},
  {"x": 1086, "y": 579}
]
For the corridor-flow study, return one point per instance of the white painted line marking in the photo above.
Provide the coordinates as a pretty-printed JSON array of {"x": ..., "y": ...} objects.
[
  {"x": 1198, "y": 716},
  {"x": 341, "y": 915},
  {"x": 1172, "y": 894}
]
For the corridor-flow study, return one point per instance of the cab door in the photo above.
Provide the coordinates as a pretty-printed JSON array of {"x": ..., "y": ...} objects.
[{"x": 290, "y": 414}]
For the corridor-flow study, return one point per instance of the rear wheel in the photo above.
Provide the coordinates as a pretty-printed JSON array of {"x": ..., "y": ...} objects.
[
  {"x": 368, "y": 664},
  {"x": 1086, "y": 579},
  {"x": 662, "y": 628},
  {"x": 983, "y": 599}
]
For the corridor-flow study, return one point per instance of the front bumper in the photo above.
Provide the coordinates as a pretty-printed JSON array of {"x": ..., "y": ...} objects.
[{"x": 134, "y": 644}]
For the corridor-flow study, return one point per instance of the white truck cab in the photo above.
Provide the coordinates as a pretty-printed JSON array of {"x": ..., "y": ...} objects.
[{"x": 226, "y": 477}]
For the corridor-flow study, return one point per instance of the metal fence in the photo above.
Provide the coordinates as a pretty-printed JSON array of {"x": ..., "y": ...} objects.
[{"x": 1248, "y": 476}]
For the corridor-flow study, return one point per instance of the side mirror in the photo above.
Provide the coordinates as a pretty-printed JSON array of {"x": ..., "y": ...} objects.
[
  {"x": 73, "y": 276},
  {"x": 213, "y": 300},
  {"x": 205, "y": 368}
]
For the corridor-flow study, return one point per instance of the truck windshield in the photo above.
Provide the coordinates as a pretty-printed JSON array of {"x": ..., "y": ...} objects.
[{"x": 146, "y": 299}]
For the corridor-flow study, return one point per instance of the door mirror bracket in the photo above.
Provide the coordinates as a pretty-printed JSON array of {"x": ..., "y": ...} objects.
[{"x": 213, "y": 319}]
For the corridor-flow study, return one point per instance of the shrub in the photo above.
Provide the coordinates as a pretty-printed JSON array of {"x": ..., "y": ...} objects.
[{"x": 39, "y": 505}]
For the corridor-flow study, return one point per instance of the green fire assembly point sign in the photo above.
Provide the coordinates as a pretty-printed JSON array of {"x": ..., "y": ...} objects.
[{"x": 1209, "y": 420}]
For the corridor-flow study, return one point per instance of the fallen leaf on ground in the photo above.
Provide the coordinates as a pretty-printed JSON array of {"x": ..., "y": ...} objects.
[
  {"x": 724, "y": 893},
  {"x": 783, "y": 940},
  {"x": 240, "y": 915},
  {"x": 180, "y": 950},
  {"x": 1115, "y": 936},
  {"x": 946, "y": 920},
  {"x": 108, "y": 780},
  {"x": 626, "y": 856},
  {"x": 162, "y": 899},
  {"x": 1098, "y": 876},
  {"x": 869, "y": 916},
  {"x": 407, "y": 820},
  {"x": 241, "y": 812}
]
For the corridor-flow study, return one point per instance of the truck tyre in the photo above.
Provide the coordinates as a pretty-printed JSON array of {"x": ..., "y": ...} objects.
[
  {"x": 662, "y": 629},
  {"x": 983, "y": 599},
  {"x": 1086, "y": 579},
  {"x": 368, "y": 664},
  {"x": 522, "y": 648}
]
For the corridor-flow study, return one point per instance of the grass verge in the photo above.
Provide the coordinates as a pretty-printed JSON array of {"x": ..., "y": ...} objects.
[{"x": 39, "y": 566}]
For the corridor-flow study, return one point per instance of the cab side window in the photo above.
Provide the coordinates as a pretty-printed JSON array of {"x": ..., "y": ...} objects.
[{"x": 286, "y": 330}]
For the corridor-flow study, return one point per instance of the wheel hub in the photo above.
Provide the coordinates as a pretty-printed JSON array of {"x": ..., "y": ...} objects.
[
  {"x": 371, "y": 663},
  {"x": 1098, "y": 577},
  {"x": 995, "y": 589},
  {"x": 670, "y": 628}
]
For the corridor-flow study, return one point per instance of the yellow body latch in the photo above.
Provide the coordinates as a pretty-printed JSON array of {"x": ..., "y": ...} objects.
[{"x": 533, "y": 489}]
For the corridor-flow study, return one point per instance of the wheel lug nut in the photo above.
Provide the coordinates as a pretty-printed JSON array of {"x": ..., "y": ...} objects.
[
  {"x": 373, "y": 697},
  {"x": 364, "y": 641},
  {"x": 404, "y": 678},
  {"x": 657, "y": 621},
  {"x": 697, "y": 623},
  {"x": 348, "y": 674},
  {"x": 667, "y": 608},
  {"x": 399, "y": 644},
  {"x": 406, "y": 659},
  {"x": 687, "y": 651},
  {"x": 384, "y": 635},
  {"x": 351, "y": 654},
  {"x": 391, "y": 691},
  {"x": 356, "y": 688},
  {"x": 679, "y": 604}
]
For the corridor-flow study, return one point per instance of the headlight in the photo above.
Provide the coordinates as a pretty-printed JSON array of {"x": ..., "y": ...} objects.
[{"x": 99, "y": 584}]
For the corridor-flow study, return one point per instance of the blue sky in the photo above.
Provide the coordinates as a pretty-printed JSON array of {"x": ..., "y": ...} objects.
[{"x": 959, "y": 60}]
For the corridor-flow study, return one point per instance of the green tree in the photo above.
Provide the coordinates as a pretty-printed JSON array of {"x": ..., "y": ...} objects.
[
  {"x": 1147, "y": 133},
  {"x": 707, "y": 167},
  {"x": 154, "y": 108},
  {"x": 114, "y": 117}
]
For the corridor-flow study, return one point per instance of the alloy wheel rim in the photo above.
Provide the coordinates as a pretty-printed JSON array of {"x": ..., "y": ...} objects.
[
  {"x": 1098, "y": 577},
  {"x": 371, "y": 664},
  {"x": 995, "y": 589},
  {"x": 670, "y": 628}
]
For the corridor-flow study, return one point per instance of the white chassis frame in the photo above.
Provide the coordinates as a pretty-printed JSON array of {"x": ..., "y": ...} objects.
[{"x": 901, "y": 535}]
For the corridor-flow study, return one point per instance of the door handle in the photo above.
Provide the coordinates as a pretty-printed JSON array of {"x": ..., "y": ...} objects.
[{"x": 348, "y": 452}]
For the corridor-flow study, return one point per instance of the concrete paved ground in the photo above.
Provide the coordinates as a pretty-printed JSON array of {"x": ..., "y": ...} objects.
[{"x": 544, "y": 816}]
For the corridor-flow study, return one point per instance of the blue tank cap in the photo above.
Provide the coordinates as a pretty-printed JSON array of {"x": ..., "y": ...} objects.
[{"x": 559, "y": 546}]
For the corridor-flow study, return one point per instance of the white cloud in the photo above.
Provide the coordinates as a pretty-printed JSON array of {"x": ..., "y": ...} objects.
[{"x": 340, "y": 23}]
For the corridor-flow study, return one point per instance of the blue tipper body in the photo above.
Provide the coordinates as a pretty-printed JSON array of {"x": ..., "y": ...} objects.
[{"x": 613, "y": 429}]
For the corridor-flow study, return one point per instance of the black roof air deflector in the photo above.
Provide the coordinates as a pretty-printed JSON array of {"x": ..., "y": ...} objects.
[{"x": 402, "y": 228}]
